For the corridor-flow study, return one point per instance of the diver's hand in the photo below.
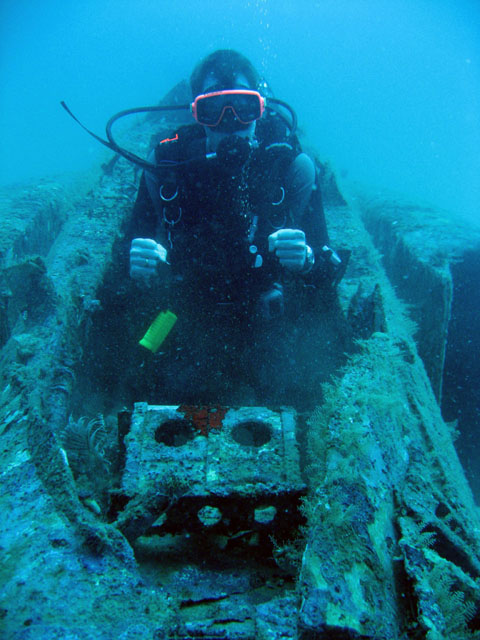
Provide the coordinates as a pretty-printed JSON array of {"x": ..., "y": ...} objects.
[
  {"x": 145, "y": 256},
  {"x": 290, "y": 248}
]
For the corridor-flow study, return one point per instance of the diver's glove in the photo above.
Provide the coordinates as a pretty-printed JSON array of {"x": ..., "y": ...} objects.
[
  {"x": 291, "y": 249},
  {"x": 145, "y": 257}
]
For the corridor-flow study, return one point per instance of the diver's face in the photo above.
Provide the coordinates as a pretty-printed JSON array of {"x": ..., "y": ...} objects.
[{"x": 229, "y": 124}]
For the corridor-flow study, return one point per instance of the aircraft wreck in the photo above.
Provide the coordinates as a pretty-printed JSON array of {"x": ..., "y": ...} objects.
[{"x": 127, "y": 519}]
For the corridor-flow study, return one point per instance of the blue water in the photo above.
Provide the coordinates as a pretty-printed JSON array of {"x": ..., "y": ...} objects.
[{"x": 388, "y": 91}]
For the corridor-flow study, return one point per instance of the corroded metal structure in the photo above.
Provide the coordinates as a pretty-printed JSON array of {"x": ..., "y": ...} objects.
[
  {"x": 386, "y": 543},
  {"x": 223, "y": 470}
]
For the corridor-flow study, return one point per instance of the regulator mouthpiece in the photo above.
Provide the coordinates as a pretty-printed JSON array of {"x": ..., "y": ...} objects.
[{"x": 233, "y": 152}]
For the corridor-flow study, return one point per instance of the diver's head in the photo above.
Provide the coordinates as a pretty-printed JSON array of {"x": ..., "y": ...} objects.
[
  {"x": 224, "y": 65},
  {"x": 226, "y": 100}
]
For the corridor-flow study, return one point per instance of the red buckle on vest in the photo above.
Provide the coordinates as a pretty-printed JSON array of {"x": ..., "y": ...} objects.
[{"x": 169, "y": 139}]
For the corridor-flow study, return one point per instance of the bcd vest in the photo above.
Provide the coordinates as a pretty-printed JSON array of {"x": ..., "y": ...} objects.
[{"x": 218, "y": 216}]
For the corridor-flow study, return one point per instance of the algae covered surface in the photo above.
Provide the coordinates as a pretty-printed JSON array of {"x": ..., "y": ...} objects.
[{"x": 380, "y": 539}]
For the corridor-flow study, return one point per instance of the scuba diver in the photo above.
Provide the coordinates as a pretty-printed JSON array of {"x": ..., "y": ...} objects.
[
  {"x": 228, "y": 225},
  {"x": 250, "y": 197}
]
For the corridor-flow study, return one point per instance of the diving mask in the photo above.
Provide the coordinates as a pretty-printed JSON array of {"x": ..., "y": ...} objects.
[{"x": 246, "y": 105}]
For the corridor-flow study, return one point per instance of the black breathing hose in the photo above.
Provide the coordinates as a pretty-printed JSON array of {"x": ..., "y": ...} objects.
[{"x": 111, "y": 144}]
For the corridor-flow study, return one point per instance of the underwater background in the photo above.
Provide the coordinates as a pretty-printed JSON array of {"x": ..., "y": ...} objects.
[
  {"x": 388, "y": 91},
  {"x": 358, "y": 518}
]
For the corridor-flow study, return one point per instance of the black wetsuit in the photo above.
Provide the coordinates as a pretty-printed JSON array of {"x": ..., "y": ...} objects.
[{"x": 225, "y": 286}]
